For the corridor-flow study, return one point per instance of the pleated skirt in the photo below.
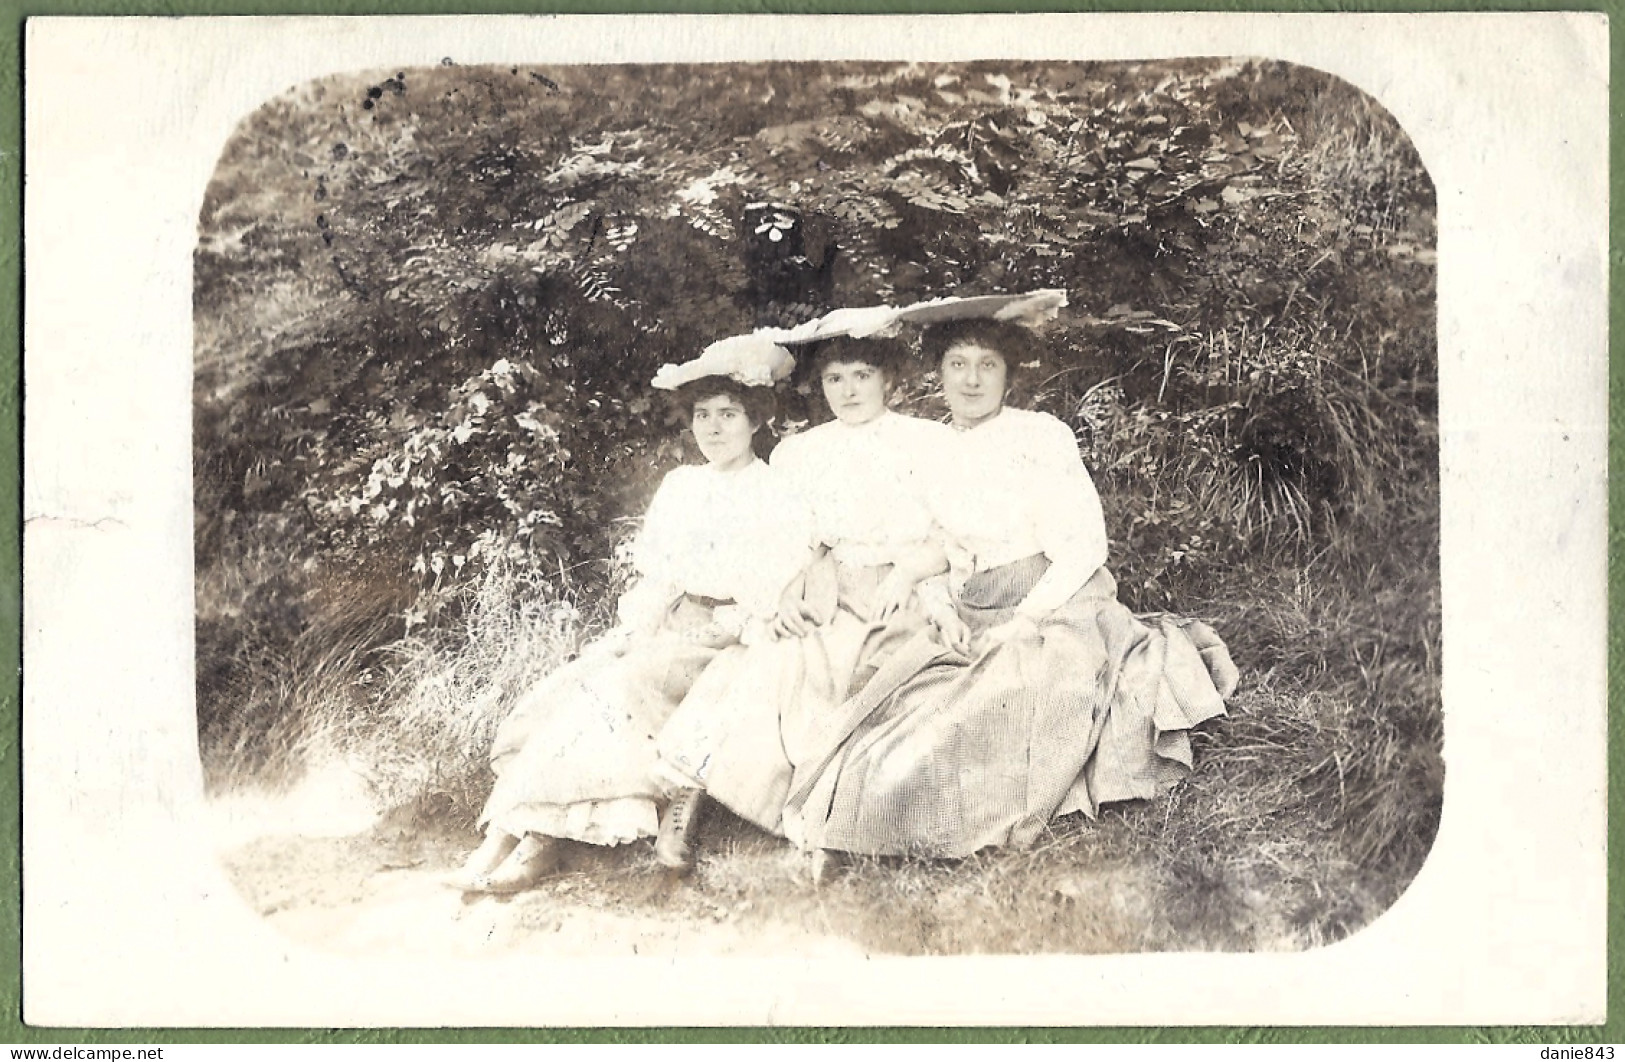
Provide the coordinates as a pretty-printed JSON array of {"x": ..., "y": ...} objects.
[
  {"x": 576, "y": 758},
  {"x": 940, "y": 755}
]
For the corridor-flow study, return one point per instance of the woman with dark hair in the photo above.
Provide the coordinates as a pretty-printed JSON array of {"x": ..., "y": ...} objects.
[
  {"x": 1038, "y": 694},
  {"x": 576, "y": 758},
  {"x": 860, "y": 479}
]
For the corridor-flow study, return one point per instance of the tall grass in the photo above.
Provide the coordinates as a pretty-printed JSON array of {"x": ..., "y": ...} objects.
[
  {"x": 300, "y": 667},
  {"x": 285, "y": 650},
  {"x": 426, "y": 740},
  {"x": 1312, "y": 806},
  {"x": 1322, "y": 788},
  {"x": 1358, "y": 153}
]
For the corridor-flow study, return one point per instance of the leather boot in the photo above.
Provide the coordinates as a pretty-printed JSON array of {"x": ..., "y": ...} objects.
[
  {"x": 825, "y": 866},
  {"x": 491, "y": 853},
  {"x": 674, "y": 847},
  {"x": 531, "y": 860}
]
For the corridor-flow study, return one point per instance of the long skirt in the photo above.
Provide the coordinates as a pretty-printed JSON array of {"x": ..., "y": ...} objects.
[
  {"x": 576, "y": 757},
  {"x": 752, "y": 717},
  {"x": 941, "y": 756}
]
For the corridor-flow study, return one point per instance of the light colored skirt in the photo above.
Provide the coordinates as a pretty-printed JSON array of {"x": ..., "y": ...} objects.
[
  {"x": 576, "y": 757},
  {"x": 756, "y": 712},
  {"x": 940, "y": 756}
]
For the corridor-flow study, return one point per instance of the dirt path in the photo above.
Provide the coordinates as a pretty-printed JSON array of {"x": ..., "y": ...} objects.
[{"x": 322, "y": 869}]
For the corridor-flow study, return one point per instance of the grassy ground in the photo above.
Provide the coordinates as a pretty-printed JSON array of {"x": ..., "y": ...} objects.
[
  {"x": 1274, "y": 471},
  {"x": 1312, "y": 806}
]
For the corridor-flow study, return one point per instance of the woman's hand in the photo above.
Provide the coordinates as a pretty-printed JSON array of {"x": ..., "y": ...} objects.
[
  {"x": 712, "y": 635},
  {"x": 891, "y": 595},
  {"x": 614, "y": 643},
  {"x": 953, "y": 631},
  {"x": 1013, "y": 629},
  {"x": 796, "y": 618}
]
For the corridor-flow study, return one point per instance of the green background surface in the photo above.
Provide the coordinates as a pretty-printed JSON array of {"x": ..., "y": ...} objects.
[{"x": 11, "y": 86}]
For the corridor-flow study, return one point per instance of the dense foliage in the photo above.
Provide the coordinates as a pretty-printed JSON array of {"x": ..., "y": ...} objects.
[{"x": 428, "y": 303}]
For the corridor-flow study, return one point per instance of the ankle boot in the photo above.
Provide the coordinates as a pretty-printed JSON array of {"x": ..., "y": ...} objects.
[
  {"x": 491, "y": 853},
  {"x": 674, "y": 847},
  {"x": 825, "y": 866},
  {"x": 532, "y": 859}
]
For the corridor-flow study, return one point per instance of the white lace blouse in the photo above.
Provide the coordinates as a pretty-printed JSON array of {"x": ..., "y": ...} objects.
[
  {"x": 735, "y": 536},
  {"x": 1014, "y": 486},
  {"x": 864, "y": 486}
]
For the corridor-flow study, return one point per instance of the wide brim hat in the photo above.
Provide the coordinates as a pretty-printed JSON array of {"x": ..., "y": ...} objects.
[
  {"x": 753, "y": 360},
  {"x": 1031, "y": 308},
  {"x": 762, "y": 358}
]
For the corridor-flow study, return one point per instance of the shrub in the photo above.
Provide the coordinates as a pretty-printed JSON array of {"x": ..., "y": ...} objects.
[{"x": 428, "y": 304}]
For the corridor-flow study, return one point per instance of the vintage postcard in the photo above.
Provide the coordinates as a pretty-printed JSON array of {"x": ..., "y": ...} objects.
[{"x": 679, "y": 520}]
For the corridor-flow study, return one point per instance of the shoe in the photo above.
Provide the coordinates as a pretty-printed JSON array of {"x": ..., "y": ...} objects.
[
  {"x": 826, "y": 866},
  {"x": 531, "y": 860},
  {"x": 491, "y": 853},
  {"x": 674, "y": 848}
]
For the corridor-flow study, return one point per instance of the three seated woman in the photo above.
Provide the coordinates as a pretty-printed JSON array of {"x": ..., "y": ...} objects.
[{"x": 899, "y": 638}]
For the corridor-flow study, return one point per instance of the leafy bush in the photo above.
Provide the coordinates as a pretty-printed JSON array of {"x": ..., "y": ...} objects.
[{"x": 428, "y": 303}]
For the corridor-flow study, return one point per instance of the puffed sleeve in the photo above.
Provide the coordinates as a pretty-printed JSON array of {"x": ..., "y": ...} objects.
[
  {"x": 779, "y": 549},
  {"x": 1069, "y": 524},
  {"x": 1070, "y": 518},
  {"x": 925, "y": 470},
  {"x": 654, "y": 555},
  {"x": 792, "y": 475}
]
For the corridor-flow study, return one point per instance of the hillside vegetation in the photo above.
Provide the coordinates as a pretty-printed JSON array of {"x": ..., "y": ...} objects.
[{"x": 428, "y": 303}]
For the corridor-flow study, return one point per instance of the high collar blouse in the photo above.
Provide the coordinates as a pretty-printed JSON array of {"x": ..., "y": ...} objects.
[
  {"x": 864, "y": 486},
  {"x": 735, "y": 536},
  {"x": 1014, "y": 486}
]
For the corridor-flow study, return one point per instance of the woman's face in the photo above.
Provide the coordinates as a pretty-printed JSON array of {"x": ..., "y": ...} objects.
[
  {"x": 723, "y": 431},
  {"x": 855, "y": 391},
  {"x": 973, "y": 381}
]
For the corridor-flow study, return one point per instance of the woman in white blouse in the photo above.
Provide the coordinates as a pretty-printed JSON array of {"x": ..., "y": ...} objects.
[
  {"x": 576, "y": 757},
  {"x": 1038, "y": 694},
  {"x": 860, "y": 479}
]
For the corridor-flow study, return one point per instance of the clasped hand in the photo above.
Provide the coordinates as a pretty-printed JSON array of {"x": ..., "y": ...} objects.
[
  {"x": 796, "y": 618},
  {"x": 1016, "y": 628},
  {"x": 956, "y": 633},
  {"x": 891, "y": 596},
  {"x": 613, "y": 643}
]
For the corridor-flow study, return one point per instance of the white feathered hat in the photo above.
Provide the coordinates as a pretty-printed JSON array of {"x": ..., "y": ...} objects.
[
  {"x": 754, "y": 360},
  {"x": 761, "y": 358}
]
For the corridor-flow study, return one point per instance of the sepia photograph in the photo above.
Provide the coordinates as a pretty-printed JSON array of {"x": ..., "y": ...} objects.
[
  {"x": 1107, "y": 619},
  {"x": 623, "y": 498}
]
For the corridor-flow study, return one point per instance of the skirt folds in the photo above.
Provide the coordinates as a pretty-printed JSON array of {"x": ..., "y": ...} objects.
[
  {"x": 940, "y": 755},
  {"x": 576, "y": 757},
  {"x": 757, "y": 711}
]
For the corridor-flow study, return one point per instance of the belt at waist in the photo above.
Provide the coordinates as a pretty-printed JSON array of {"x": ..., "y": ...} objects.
[
  {"x": 1004, "y": 586},
  {"x": 870, "y": 554},
  {"x": 709, "y": 602}
]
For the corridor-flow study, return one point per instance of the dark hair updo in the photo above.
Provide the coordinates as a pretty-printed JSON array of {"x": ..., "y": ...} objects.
[
  {"x": 760, "y": 403},
  {"x": 888, "y": 355},
  {"x": 1011, "y": 340},
  {"x": 1015, "y": 343}
]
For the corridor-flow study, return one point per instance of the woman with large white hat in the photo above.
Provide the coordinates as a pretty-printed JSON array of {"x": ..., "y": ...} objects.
[
  {"x": 857, "y": 478},
  {"x": 755, "y": 717},
  {"x": 1039, "y": 694},
  {"x": 575, "y": 760}
]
